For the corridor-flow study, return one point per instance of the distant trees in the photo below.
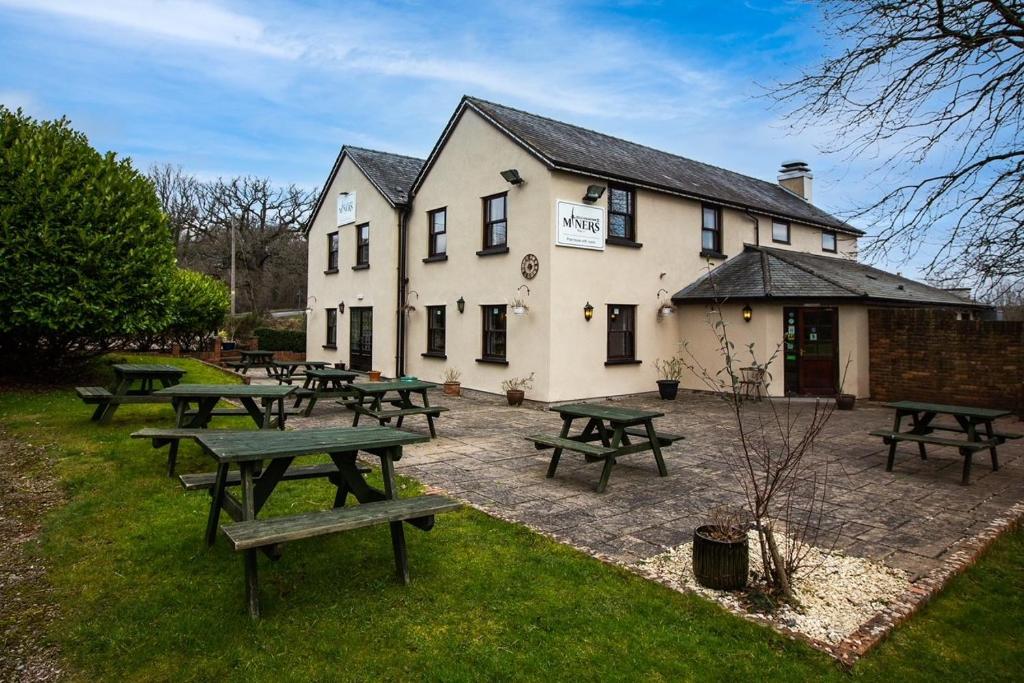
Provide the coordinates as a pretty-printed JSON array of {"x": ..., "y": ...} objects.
[
  {"x": 267, "y": 222},
  {"x": 934, "y": 88}
]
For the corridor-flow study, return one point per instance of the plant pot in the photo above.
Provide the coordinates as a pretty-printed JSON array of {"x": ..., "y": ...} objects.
[
  {"x": 722, "y": 565},
  {"x": 515, "y": 397},
  {"x": 453, "y": 388},
  {"x": 668, "y": 388},
  {"x": 845, "y": 401},
  {"x": 374, "y": 375},
  {"x": 519, "y": 310}
]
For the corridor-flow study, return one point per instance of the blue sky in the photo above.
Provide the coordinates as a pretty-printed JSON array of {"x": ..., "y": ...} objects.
[{"x": 275, "y": 88}]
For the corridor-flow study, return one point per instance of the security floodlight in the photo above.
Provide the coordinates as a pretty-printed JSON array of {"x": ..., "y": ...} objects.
[
  {"x": 594, "y": 193},
  {"x": 512, "y": 176}
]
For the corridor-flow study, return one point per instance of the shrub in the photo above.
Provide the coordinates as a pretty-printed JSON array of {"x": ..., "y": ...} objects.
[
  {"x": 85, "y": 252},
  {"x": 281, "y": 340},
  {"x": 199, "y": 304}
]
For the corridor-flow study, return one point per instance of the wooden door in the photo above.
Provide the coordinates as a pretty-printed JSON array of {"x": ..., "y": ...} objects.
[
  {"x": 360, "y": 350},
  {"x": 818, "y": 340}
]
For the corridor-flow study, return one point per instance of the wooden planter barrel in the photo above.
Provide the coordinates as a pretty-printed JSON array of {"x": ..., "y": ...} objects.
[
  {"x": 721, "y": 565},
  {"x": 515, "y": 397}
]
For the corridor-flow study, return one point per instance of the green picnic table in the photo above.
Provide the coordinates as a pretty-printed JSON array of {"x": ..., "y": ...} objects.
[
  {"x": 264, "y": 459},
  {"x": 370, "y": 397},
  {"x": 133, "y": 383},
  {"x": 614, "y": 427},
  {"x": 263, "y": 403},
  {"x": 324, "y": 383},
  {"x": 974, "y": 423},
  {"x": 286, "y": 371},
  {"x": 254, "y": 359}
]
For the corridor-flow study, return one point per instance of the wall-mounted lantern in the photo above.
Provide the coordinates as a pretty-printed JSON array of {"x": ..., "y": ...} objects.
[
  {"x": 588, "y": 312},
  {"x": 461, "y": 303},
  {"x": 341, "y": 308},
  {"x": 594, "y": 193},
  {"x": 748, "y": 313},
  {"x": 665, "y": 309},
  {"x": 512, "y": 176}
]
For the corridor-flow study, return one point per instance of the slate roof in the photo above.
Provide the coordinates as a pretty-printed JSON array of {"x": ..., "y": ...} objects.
[
  {"x": 574, "y": 149},
  {"x": 765, "y": 272}
]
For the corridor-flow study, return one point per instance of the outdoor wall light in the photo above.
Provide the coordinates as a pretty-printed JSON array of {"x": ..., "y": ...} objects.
[
  {"x": 461, "y": 303},
  {"x": 588, "y": 312},
  {"x": 666, "y": 308},
  {"x": 341, "y": 308},
  {"x": 594, "y": 193},
  {"x": 512, "y": 176},
  {"x": 748, "y": 313}
]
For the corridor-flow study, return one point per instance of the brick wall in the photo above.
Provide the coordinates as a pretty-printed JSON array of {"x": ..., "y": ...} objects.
[{"x": 929, "y": 355}]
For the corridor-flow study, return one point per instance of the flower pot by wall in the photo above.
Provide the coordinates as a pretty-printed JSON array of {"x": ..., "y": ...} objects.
[
  {"x": 374, "y": 375},
  {"x": 845, "y": 401},
  {"x": 515, "y": 397},
  {"x": 722, "y": 565},
  {"x": 668, "y": 388},
  {"x": 453, "y": 388}
]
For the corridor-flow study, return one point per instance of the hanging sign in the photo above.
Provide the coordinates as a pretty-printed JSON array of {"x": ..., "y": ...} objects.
[
  {"x": 579, "y": 225},
  {"x": 346, "y": 208}
]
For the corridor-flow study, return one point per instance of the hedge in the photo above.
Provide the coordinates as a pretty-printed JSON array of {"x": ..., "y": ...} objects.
[{"x": 281, "y": 340}]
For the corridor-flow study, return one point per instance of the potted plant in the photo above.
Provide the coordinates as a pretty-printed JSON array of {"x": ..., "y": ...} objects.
[
  {"x": 671, "y": 372},
  {"x": 519, "y": 306},
  {"x": 452, "y": 386},
  {"x": 515, "y": 389},
  {"x": 374, "y": 375},
  {"x": 845, "y": 401},
  {"x": 721, "y": 557}
]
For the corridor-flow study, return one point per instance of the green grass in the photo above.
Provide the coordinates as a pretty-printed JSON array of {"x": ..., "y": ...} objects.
[{"x": 142, "y": 598}]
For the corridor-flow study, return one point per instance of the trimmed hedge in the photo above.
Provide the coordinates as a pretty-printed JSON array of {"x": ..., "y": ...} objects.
[{"x": 281, "y": 340}]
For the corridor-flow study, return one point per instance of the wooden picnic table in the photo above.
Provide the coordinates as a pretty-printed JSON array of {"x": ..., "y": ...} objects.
[
  {"x": 974, "y": 423},
  {"x": 285, "y": 371},
  {"x": 206, "y": 397},
  {"x": 614, "y": 427},
  {"x": 264, "y": 459},
  {"x": 370, "y": 396},
  {"x": 133, "y": 383},
  {"x": 324, "y": 383},
  {"x": 254, "y": 359}
]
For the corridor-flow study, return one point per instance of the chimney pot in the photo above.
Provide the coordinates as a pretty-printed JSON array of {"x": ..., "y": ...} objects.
[{"x": 796, "y": 176}]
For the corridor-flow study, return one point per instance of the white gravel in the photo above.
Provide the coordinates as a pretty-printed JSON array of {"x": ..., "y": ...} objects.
[{"x": 839, "y": 594}]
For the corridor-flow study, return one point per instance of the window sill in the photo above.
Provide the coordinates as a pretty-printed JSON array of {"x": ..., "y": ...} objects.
[
  {"x": 491, "y": 251},
  {"x": 331, "y": 271},
  {"x": 623, "y": 242},
  {"x": 775, "y": 241},
  {"x": 830, "y": 251},
  {"x": 495, "y": 361},
  {"x": 430, "y": 354},
  {"x": 435, "y": 258},
  {"x": 361, "y": 266},
  {"x": 623, "y": 362},
  {"x": 332, "y": 347},
  {"x": 709, "y": 253}
]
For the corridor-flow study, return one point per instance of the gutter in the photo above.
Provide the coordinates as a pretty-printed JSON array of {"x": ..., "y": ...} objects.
[
  {"x": 757, "y": 226},
  {"x": 403, "y": 224}
]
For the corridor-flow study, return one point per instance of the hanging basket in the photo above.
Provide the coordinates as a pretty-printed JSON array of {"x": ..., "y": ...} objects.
[{"x": 519, "y": 310}]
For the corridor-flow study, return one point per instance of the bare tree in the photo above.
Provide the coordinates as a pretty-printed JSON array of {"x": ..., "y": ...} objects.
[
  {"x": 182, "y": 198},
  {"x": 937, "y": 84}
]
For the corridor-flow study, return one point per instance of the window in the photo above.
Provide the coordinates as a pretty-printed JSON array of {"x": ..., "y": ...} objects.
[
  {"x": 437, "y": 222},
  {"x": 496, "y": 222},
  {"x": 332, "y": 252},
  {"x": 621, "y": 213},
  {"x": 332, "y": 328},
  {"x": 621, "y": 333},
  {"x": 828, "y": 241},
  {"x": 494, "y": 333},
  {"x": 780, "y": 232},
  {"x": 363, "y": 246},
  {"x": 435, "y": 330},
  {"x": 711, "y": 229}
]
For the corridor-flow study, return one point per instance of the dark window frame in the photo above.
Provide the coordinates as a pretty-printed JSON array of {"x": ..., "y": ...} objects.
[
  {"x": 716, "y": 250},
  {"x": 433, "y": 252},
  {"x": 489, "y": 222},
  {"x": 628, "y": 334},
  {"x": 331, "y": 328},
  {"x": 333, "y": 252},
  {"x": 491, "y": 334},
  {"x": 433, "y": 349},
  {"x": 835, "y": 241},
  {"x": 789, "y": 231},
  {"x": 629, "y": 238},
  {"x": 362, "y": 246}
]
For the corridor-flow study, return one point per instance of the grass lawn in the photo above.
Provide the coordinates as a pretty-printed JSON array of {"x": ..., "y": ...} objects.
[{"x": 142, "y": 598}]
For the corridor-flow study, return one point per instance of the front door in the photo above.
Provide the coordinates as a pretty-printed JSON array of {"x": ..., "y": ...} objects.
[
  {"x": 812, "y": 351},
  {"x": 361, "y": 339}
]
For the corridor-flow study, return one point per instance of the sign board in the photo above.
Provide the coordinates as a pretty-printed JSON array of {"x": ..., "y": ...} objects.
[
  {"x": 346, "y": 208},
  {"x": 579, "y": 225}
]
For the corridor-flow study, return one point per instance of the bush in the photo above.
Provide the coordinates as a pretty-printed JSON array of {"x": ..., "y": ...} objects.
[
  {"x": 199, "y": 304},
  {"x": 85, "y": 252},
  {"x": 281, "y": 340}
]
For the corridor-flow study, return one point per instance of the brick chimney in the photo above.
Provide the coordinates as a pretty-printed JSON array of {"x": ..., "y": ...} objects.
[{"x": 796, "y": 177}]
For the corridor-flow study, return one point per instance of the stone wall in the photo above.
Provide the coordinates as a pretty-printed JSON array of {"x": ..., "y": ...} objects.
[{"x": 929, "y": 355}]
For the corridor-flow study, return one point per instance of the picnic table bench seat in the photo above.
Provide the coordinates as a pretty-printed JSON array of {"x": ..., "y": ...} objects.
[
  {"x": 168, "y": 436},
  {"x": 1003, "y": 436},
  {"x": 93, "y": 394},
  {"x": 571, "y": 444},
  {"x": 204, "y": 481},
  {"x": 967, "y": 448}
]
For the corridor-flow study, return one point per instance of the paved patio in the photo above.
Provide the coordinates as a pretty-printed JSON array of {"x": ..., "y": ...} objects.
[{"x": 908, "y": 519}]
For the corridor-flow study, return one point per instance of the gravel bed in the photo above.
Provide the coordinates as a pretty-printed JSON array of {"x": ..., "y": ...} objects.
[{"x": 838, "y": 594}]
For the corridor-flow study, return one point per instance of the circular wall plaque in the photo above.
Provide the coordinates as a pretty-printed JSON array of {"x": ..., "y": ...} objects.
[{"x": 530, "y": 266}]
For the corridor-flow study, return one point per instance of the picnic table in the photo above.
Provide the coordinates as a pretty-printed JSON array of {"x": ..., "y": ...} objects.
[
  {"x": 285, "y": 371},
  {"x": 614, "y": 427},
  {"x": 370, "y": 397},
  {"x": 254, "y": 359},
  {"x": 975, "y": 423},
  {"x": 268, "y": 413},
  {"x": 323, "y": 383},
  {"x": 133, "y": 383},
  {"x": 264, "y": 459}
]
